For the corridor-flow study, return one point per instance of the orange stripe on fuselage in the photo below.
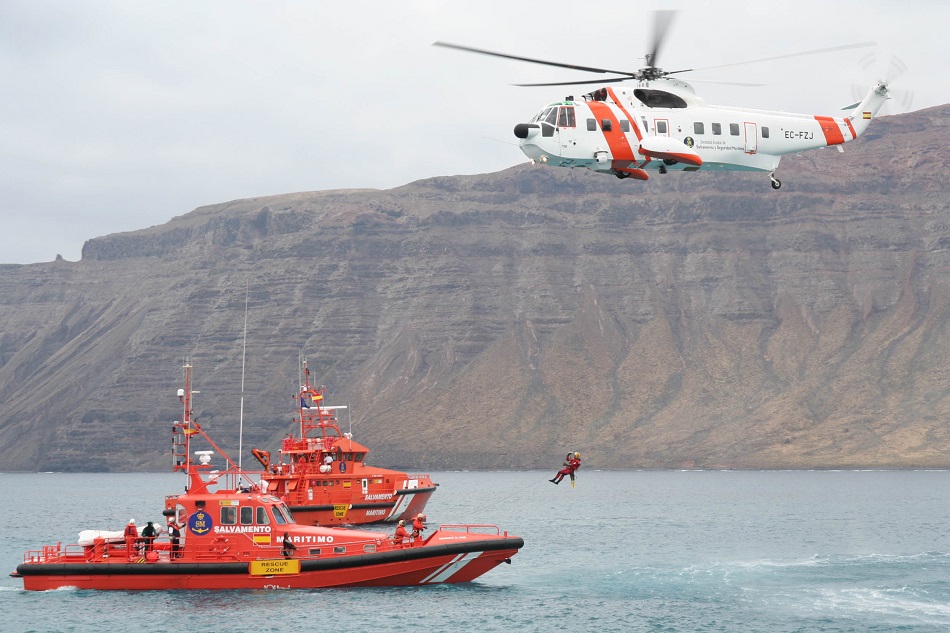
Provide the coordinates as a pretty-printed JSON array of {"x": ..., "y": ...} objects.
[
  {"x": 833, "y": 135},
  {"x": 854, "y": 134},
  {"x": 633, "y": 122},
  {"x": 617, "y": 141}
]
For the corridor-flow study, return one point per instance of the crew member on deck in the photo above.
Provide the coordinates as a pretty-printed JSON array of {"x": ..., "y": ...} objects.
[
  {"x": 131, "y": 535},
  {"x": 418, "y": 524},
  {"x": 288, "y": 548},
  {"x": 174, "y": 536},
  {"x": 401, "y": 534},
  {"x": 148, "y": 535}
]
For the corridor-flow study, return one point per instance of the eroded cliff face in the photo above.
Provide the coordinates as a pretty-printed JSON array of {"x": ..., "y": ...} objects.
[{"x": 496, "y": 321}]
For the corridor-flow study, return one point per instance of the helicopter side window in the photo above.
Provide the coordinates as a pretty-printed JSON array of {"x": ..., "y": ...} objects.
[
  {"x": 734, "y": 129},
  {"x": 661, "y": 127},
  {"x": 765, "y": 132},
  {"x": 625, "y": 125},
  {"x": 566, "y": 117},
  {"x": 606, "y": 125},
  {"x": 646, "y": 126},
  {"x": 717, "y": 129},
  {"x": 591, "y": 125},
  {"x": 699, "y": 128}
]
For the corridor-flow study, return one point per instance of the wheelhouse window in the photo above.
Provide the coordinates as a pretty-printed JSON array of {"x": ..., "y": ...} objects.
[
  {"x": 734, "y": 129},
  {"x": 228, "y": 515},
  {"x": 717, "y": 129},
  {"x": 566, "y": 117},
  {"x": 247, "y": 515},
  {"x": 262, "y": 518},
  {"x": 698, "y": 128}
]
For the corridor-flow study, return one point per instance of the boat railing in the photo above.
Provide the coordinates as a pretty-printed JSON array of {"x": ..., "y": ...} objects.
[{"x": 471, "y": 528}]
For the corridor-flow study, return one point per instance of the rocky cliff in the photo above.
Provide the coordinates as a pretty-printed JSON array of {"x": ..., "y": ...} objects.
[{"x": 496, "y": 321}]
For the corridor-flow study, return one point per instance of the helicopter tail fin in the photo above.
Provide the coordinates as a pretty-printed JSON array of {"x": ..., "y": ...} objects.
[{"x": 863, "y": 113}]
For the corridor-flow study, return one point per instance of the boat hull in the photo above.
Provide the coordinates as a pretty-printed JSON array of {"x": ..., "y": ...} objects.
[
  {"x": 406, "y": 504},
  {"x": 421, "y": 565}
]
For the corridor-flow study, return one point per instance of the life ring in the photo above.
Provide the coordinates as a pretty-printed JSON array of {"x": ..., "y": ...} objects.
[
  {"x": 220, "y": 545},
  {"x": 342, "y": 467}
]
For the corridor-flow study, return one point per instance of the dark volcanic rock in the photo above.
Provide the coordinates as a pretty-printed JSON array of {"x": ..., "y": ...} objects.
[{"x": 495, "y": 321}]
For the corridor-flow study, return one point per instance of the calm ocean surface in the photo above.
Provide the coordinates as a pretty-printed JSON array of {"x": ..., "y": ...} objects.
[{"x": 623, "y": 551}]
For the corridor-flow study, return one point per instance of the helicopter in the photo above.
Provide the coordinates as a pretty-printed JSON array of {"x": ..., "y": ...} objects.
[{"x": 662, "y": 125}]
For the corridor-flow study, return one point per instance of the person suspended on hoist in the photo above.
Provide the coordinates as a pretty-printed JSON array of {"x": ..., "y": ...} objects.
[{"x": 571, "y": 463}]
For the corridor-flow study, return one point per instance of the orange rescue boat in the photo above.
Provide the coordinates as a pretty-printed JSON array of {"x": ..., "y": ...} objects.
[{"x": 227, "y": 531}]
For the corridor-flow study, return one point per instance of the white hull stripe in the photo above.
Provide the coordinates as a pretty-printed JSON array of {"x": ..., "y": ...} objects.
[
  {"x": 400, "y": 506},
  {"x": 446, "y": 571}
]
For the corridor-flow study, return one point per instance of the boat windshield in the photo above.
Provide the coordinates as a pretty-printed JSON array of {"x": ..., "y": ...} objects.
[{"x": 282, "y": 514}]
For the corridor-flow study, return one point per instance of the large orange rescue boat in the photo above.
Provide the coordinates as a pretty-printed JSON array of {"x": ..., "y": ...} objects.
[
  {"x": 228, "y": 532},
  {"x": 323, "y": 476}
]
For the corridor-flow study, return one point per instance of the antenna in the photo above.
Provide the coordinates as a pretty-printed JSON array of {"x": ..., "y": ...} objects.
[{"x": 243, "y": 360}]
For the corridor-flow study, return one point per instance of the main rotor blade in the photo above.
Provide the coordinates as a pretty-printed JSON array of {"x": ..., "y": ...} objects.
[
  {"x": 577, "y": 83},
  {"x": 803, "y": 53},
  {"x": 589, "y": 69},
  {"x": 662, "y": 21}
]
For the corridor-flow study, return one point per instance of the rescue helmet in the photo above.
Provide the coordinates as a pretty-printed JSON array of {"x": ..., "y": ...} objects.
[
  {"x": 421, "y": 516},
  {"x": 131, "y": 521},
  {"x": 401, "y": 522},
  {"x": 577, "y": 455}
]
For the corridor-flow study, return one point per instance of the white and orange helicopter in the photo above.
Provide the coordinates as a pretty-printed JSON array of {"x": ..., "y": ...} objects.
[{"x": 661, "y": 124}]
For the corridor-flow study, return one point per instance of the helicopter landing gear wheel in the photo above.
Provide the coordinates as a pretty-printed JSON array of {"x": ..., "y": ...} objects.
[{"x": 776, "y": 183}]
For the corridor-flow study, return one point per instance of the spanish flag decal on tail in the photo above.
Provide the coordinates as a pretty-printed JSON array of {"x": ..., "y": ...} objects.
[{"x": 867, "y": 116}]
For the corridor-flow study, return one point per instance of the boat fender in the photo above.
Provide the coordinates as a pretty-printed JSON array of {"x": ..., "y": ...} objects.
[{"x": 342, "y": 467}]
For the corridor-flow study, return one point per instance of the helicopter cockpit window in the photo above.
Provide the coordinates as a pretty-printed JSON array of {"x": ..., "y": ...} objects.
[
  {"x": 550, "y": 116},
  {"x": 566, "y": 117},
  {"x": 658, "y": 98}
]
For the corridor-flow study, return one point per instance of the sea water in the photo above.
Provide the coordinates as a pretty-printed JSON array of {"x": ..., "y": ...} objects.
[{"x": 777, "y": 551}]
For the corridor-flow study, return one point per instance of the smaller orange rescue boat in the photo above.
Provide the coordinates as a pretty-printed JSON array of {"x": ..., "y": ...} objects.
[
  {"x": 323, "y": 476},
  {"x": 229, "y": 532}
]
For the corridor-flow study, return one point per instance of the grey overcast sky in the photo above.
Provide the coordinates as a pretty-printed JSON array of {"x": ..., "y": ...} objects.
[{"x": 119, "y": 115}]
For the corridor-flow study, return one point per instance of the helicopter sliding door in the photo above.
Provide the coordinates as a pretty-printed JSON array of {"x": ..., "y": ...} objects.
[{"x": 751, "y": 136}]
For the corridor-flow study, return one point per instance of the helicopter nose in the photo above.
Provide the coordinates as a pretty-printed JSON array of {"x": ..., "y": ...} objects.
[{"x": 524, "y": 130}]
